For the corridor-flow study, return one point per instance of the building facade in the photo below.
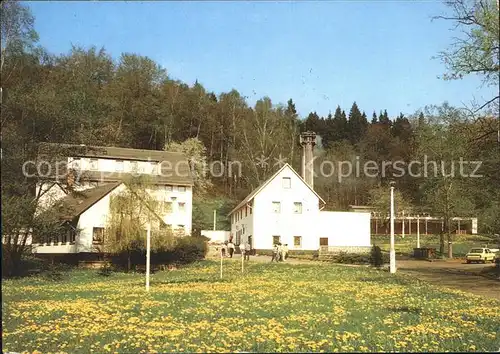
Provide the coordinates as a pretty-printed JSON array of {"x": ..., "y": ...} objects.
[{"x": 99, "y": 173}]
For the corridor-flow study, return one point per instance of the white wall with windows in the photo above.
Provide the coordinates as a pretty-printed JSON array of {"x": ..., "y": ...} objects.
[
  {"x": 287, "y": 208},
  {"x": 113, "y": 165}
]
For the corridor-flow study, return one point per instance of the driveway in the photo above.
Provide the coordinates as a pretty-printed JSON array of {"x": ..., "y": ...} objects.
[{"x": 453, "y": 274}]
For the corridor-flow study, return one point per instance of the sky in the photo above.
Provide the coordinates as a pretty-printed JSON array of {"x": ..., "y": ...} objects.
[{"x": 320, "y": 54}]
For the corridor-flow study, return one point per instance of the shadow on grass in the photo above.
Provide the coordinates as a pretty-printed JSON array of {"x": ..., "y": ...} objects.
[
  {"x": 406, "y": 309},
  {"x": 191, "y": 280}
]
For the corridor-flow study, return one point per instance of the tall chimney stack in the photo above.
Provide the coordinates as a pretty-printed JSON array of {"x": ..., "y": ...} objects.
[{"x": 308, "y": 140}]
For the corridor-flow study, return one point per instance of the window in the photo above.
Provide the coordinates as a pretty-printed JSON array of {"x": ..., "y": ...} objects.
[
  {"x": 167, "y": 207},
  {"x": 182, "y": 207},
  {"x": 276, "y": 207},
  {"x": 238, "y": 238},
  {"x": 169, "y": 188},
  {"x": 286, "y": 182},
  {"x": 76, "y": 163},
  {"x": 276, "y": 239},
  {"x": 119, "y": 166},
  {"x": 246, "y": 211},
  {"x": 181, "y": 188},
  {"x": 297, "y": 208},
  {"x": 98, "y": 235},
  {"x": 297, "y": 241},
  {"x": 93, "y": 166},
  {"x": 250, "y": 207},
  {"x": 323, "y": 241}
]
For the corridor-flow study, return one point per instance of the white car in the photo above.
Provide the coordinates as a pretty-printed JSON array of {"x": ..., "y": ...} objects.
[{"x": 480, "y": 255}]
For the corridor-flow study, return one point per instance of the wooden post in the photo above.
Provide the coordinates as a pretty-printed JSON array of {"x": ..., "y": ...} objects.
[
  {"x": 242, "y": 259},
  {"x": 409, "y": 226},
  {"x": 403, "y": 224},
  {"x": 426, "y": 225},
  {"x": 215, "y": 220},
  {"x": 418, "y": 231},
  {"x": 221, "y": 263},
  {"x": 148, "y": 254}
]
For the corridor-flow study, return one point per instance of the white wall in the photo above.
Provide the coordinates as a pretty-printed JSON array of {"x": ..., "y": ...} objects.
[
  {"x": 286, "y": 224},
  {"x": 245, "y": 224},
  {"x": 110, "y": 165},
  {"x": 344, "y": 228},
  {"x": 216, "y": 235}
]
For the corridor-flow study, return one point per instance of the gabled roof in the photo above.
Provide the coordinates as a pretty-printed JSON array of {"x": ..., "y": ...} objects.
[
  {"x": 263, "y": 185},
  {"x": 175, "y": 169},
  {"x": 75, "y": 204}
]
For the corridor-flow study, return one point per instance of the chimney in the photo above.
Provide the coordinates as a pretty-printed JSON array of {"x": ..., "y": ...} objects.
[{"x": 308, "y": 140}]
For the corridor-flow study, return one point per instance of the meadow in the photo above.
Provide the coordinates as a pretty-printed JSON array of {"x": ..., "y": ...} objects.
[{"x": 271, "y": 307}]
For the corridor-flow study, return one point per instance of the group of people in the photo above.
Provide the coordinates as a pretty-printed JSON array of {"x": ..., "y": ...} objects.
[
  {"x": 280, "y": 252},
  {"x": 228, "y": 249}
]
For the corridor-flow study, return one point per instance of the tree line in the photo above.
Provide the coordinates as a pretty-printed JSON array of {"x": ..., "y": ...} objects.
[{"x": 87, "y": 97}]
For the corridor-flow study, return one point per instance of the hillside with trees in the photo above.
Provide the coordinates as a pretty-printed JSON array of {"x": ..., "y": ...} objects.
[{"x": 87, "y": 97}]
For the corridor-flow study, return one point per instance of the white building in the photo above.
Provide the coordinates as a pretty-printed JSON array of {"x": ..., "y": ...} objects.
[
  {"x": 97, "y": 173},
  {"x": 286, "y": 209}
]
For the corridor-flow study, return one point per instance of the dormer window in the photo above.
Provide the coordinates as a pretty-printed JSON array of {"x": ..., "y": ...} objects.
[{"x": 286, "y": 182}]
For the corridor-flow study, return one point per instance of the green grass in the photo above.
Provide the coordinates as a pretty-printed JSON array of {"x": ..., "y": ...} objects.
[
  {"x": 272, "y": 307},
  {"x": 461, "y": 243}
]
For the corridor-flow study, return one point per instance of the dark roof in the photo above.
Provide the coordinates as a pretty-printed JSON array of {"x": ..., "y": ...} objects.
[
  {"x": 75, "y": 204},
  {"x": 259, "y": 188},
  {"x": 174, "y": 165}
]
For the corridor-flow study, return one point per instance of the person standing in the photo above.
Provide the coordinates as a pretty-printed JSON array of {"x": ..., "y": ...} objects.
[
  {"x": 248, "y": 249},
  {"x": 275, "y": 255},
  {"x": 230, "y": 247},
  {"x": 285, "y": 251}
]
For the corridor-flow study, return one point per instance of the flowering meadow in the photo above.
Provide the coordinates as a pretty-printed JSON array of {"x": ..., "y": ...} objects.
[{"x": 271, "y": 307}]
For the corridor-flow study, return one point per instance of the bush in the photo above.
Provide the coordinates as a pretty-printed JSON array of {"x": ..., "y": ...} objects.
[
  {"x": 376, "y": 257},
  {"x": 351, "y": 258},
  {"x": 55, "y": 272},
  {"x": 189, "y": 249},
  {"x": 105, "y": 270}
]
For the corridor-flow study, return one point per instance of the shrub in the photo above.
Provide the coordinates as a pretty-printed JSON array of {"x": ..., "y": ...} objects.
[
  {"x": 105, "y": 270},
  {"x": 350, "y": 258},
  {"x": 376, "y": 257},
  {"x": 189, "y": 249},
  {"x": 55, "y": 272}
]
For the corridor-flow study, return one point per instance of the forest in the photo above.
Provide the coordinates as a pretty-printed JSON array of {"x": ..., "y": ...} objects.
[{"x": 86, "y": 96}]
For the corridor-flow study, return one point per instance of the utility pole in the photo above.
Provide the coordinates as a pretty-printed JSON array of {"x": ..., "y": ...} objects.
[
  {"x": 215, "y": 219},
  {"x": 392, "y": 252}
]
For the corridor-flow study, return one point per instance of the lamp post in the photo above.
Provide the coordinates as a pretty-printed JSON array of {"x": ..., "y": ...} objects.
[{"x": 392, "y": 252}]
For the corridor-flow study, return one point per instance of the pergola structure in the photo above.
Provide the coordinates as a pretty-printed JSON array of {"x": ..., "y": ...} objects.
[{"x": 406, "y": 223}]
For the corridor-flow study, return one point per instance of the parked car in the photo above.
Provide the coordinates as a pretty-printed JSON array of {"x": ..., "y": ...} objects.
[{"x": 482, "y": 255}]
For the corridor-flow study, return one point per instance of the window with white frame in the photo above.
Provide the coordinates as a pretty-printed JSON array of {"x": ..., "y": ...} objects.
[
  {"x": 76, "y": 163},
  {"x": 182, "y": 207},
  {"x": 276, "y": 207},
  {"x": 297, "y": 207},
  {"x": 297, "y": 241},
  {"x": 276, "y": 239},
  {"x": 286, "y": 182},
  {"x": 181, "y": 188},
  {"x": 94, "y": 164},
  {"x": 169, "y": 188}
]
